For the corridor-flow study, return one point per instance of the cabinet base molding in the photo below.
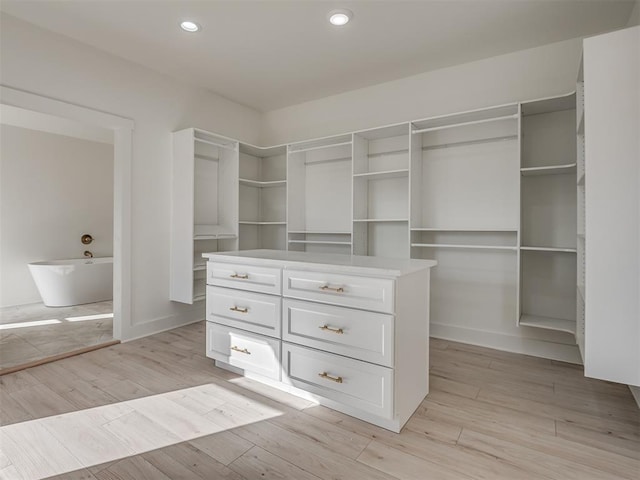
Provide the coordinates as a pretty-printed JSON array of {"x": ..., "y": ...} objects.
[{"x": 508, "y": 343}]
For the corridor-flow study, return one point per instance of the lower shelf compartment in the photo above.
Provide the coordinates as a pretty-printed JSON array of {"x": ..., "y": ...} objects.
[{"x": 549, "y": 323}]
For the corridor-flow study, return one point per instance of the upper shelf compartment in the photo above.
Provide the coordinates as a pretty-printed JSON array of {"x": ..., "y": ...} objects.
[{"x": 548, "y": 135}]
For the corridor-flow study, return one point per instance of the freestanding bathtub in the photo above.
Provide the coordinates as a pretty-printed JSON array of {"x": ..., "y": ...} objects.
[{"x": 63, "y": 283}]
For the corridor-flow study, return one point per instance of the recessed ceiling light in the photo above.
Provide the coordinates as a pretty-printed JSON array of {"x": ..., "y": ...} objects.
[
  {"x": 188, "y": 26},
  {"x": 340, "y": 17}
]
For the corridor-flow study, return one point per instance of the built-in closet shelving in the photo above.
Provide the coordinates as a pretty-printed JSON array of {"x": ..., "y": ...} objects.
[
  {"x": 204, "y": 207},
  {"x": 464, "y": 212},
  {"x": 319, "y": 195},
  {"x": 381, "y": 192},
  {"x": 548, "y": 214},
  {"x": 263, "y": 197}
]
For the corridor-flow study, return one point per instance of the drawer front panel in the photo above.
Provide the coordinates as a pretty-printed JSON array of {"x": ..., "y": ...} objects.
[
  {"x": 255, "y": 312},
  {"x": 253, "y": 353},
  {"x": 245, "y": 277},
  {"x": 351, "y": 382},
  {"x": 354, "y": 333},
  {"x": 375, "y": 294}
]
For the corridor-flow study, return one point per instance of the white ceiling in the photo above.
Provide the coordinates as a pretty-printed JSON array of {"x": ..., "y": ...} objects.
[{"x": 274, "y": 53}]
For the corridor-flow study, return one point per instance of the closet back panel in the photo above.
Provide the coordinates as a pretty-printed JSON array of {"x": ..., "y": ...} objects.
[
  {"x": 473, "y": 289},
  {"x": 327, "y": 203},
  {"x": 471, "y": 186},
  {"x": 549, "y": 284},
  {"x": 549, "y": 139},
  {"x": 273, "y": 204},
  {"x": 549, "y": 211},
  {"x": 206, "y": 192},
  {"x": 249, "y": 203}
]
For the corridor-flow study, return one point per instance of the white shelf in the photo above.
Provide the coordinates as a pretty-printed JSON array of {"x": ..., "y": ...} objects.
[
  {"x": 199, "y": 298},
  {"x": 242, "y": 222},
  {"x": 464, "y": 124},
  {"x": 217, "y": 236},
  {"x": 258, "y": 184},
  {"x": 320, "y": 242},
  {"x": 292, "y": 149},
  {"x": 549, "y": 170},
  {"x": 549, "y": 249},
  {"x": 548, "y": 323},
  {"x": 215, "y": 144},
  {"x": 317, "y": 232},
  {"x": 381, "y": 220},
  {"x": 478, "y": 247},
  {"x": 198, "y": 267},
  {"x": 382, "y": 175},
  {"x": 446, "y": 229}
]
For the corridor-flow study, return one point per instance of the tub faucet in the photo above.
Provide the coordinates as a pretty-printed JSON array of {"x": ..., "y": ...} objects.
[{"x": 88, "y": 254}]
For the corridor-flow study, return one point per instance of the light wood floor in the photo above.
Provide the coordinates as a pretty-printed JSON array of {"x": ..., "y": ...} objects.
[
  {"x": 157, "y": 409},
  {"x": 30, "y": 333}
]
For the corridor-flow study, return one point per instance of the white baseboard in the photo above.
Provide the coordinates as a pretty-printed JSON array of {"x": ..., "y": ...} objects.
[
  {"x": 163, "y": 324},
  {"x": 508, "y": 343},
  {"x": 635, "y": 391}
]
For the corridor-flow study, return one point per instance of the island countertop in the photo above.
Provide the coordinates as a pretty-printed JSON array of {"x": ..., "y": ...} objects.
[{"x": 354, "y": 264}]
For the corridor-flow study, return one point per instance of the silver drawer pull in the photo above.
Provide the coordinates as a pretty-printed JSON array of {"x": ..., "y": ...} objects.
[
  {"x": 241, "y": 350},
  {"x": 333, "y": 289},
  {"x": 329, "y": 377},
  {"x": 329, "y": 329},
  {"x": 239, "y": 309},
  {"x": 242, "y": 276}
]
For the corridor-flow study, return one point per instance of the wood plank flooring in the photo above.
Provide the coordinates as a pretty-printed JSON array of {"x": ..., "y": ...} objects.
[
  {"x": 157, "y": 409},
  {"x": 32, "y": 333}
]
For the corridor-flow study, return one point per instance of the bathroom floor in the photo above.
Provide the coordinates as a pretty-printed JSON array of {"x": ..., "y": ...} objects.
[{"x": 33, "y": 332}]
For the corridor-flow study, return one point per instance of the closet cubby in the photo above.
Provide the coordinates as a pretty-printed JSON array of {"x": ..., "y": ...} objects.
[
  {"x": 464, "y": 171},
  {"x": 204, "y": 207},
  {"x": 469, "y": 239},
  {"x": 464, "y": 214},
  {"x": 319, "y": 195},
  {"x": 263, "y": 197},
  {"x": 381, "y": 192},
  {"x": 548, "y": 214}
]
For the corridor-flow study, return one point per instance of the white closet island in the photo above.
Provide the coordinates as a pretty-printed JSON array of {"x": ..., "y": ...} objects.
[{"x": 349, "y": 331}]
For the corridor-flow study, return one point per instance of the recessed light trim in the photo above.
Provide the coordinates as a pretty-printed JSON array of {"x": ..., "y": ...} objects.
[
  {"x": 340, "y": 17},
  {"x": 189, "y": 26}
]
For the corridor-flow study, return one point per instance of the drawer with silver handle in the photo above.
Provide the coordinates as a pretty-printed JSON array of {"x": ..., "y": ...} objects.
[
  {"x": 245, "y": 277},
  {"x": 253, "y": 353},
  {"x": 354, "y": 333},
  {"x": 367, "y": 293},
  {"x": 255, "y": 312},
  {"x": 351, "y": 382}
]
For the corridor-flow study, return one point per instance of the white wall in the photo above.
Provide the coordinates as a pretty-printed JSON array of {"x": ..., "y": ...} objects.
[
  {"x": 48, "y": 64},
  {"x": 634, "y": 18},
  {"x": 53, "y": 189},
  {"x": 527, "y": 74}
]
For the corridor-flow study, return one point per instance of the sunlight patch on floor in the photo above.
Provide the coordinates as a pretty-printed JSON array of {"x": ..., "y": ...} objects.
[
  {"x": 71, "y": 441},
  {"x": 84, "y": 318},
  {"x": 35, "y": 323}
]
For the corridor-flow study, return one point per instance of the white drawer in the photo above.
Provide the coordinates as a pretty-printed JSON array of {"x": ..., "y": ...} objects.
[
  {"x": 348, "y": 290},
  {"x": 354, "y": 333},
  {"x": 254, "y": 353},
  {"x": 351, "y": 382},
  {"x": 255, "y": 312},
  {"x": 245, "y": 277}
]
